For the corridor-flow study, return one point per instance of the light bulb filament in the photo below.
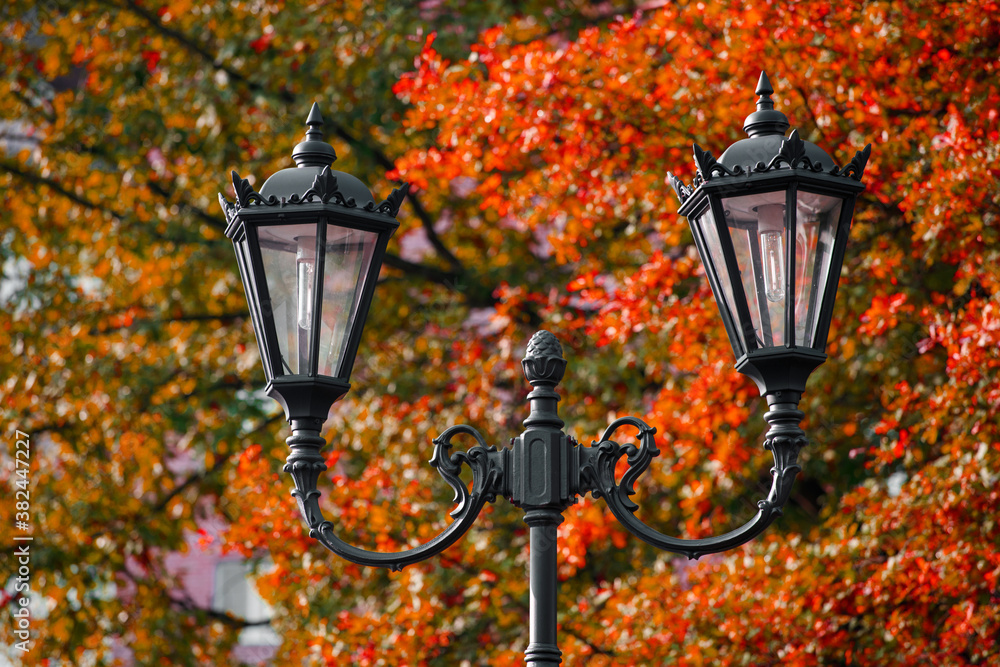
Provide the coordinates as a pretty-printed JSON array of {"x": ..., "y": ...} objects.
[
  {"x": 305, "y": 259},
  {"x": 771, "y": 225},
  {"x": 771, "y": 247}
]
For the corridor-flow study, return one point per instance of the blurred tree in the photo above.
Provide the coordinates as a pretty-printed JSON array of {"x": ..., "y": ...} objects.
[{"x": 539, "y": 148}]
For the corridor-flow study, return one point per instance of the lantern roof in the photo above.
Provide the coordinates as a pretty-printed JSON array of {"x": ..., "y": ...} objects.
[
  {"x": 312, "y": 156},
  {"x": 767, "y": 150},
  {"x": 309, "y": 185},
  {"x": 765, "y": 130}
]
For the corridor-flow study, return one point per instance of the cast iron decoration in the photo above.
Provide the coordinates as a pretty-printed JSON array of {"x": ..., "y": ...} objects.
[{"x": 770, "y": 219}]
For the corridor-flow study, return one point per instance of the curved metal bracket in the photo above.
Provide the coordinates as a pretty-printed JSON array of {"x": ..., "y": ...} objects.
[
  {"x": 784, "y": 439},
  {"x": 305, "y": 464}
]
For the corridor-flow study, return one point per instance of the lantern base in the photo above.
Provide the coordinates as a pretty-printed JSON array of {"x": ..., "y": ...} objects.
[
  {"x": 780, "y": 370},
  {"x": 304, "y": 397}
]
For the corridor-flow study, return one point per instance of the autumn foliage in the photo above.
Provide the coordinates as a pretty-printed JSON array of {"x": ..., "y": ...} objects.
[{"x": 538, "y": 136}]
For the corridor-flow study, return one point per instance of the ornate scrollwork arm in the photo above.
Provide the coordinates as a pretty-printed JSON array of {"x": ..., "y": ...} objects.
[
  {"x": 597, "y": 470},
  {"x": 598, "y": 464},
  {"x": 482, "y": 458},
  {"x": 305, "y": 464}
]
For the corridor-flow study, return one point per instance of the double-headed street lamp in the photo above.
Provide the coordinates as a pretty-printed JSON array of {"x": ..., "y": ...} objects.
[{"x": 770, "y": 219}]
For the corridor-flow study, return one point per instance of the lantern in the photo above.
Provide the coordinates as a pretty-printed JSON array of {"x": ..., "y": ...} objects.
[
  {"x": 310, "y": 247},
  {"x": 770, "y": 219}
]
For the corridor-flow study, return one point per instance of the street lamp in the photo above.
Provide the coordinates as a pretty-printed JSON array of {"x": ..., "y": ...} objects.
[
  {"x": 770, "y": 219},
  {"x": 310, "y": 247}
]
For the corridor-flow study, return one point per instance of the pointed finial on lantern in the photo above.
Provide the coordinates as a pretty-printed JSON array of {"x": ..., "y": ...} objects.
[
  {"x": 766, "y": 120},
  {"x": 314, "y": 152},
  {"x": 764, "y": 89},
  {"x": 315, "y": 122}
]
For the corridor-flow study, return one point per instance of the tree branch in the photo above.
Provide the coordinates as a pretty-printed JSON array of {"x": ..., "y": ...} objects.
[
  {"x": 447, "y": 278},
  {"x": 189, "y": 43},
  {"x": 220, "y": 461},
  {"x": 36, "y": 180},
  {"x": 340, "y": 130},
  {"x": 580, "y": 638},
  {"x": 170, "y": 197}
]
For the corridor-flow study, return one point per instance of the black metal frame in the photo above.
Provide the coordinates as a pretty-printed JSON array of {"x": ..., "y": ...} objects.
[
  {"x": 795, "y": 166},
  {"x": 783, "y": 368},
  {"x": 306, "y": 395},
  {"x": 545, "y": 470}
]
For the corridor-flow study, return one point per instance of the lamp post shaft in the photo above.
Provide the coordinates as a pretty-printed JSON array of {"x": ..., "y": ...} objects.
[
  {"x": 543, "y": 456},
  {"x": 543, "y": 649}
]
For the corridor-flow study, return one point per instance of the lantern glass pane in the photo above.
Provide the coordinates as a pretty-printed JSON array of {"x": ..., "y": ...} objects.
[
  {"x": 349, "y": 255},
  {"x": 288, "y": 253},
  {"x": 710, "y": 233},
  {"x": 757, "y": 227},
  {"x": 817, "y": 218},
  {"x": 253, "y": 300}
]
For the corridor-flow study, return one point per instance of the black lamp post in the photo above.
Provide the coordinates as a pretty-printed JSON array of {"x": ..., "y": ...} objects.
[{"x": 770, "y": 218}]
